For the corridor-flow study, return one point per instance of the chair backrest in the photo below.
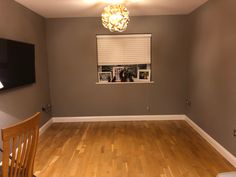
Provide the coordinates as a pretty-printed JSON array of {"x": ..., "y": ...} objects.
[{"x": 20, "y": 142}]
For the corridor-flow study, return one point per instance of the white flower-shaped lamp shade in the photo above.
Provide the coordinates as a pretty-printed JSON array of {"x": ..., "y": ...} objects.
[{"x": 115, "y": 18}]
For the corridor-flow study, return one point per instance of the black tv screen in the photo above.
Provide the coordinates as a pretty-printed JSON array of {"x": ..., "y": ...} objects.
[{"x": 17, "y": 64}]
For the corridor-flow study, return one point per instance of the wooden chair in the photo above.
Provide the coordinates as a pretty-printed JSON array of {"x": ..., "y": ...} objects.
[{"x": 20, "y": 142}]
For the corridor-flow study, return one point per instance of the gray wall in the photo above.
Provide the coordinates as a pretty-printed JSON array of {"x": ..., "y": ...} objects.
[
  {"x": 191, "y": 55},
  {"x": 73, "y": 69},
  {"x": 18, "y": 23},
  {"x": 212, "y": 77}
]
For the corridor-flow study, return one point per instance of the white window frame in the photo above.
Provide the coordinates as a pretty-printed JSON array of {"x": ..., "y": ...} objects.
[{"x": 124, "y": 50}]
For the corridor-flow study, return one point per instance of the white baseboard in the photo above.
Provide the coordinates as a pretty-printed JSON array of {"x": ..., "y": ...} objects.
[
  {"x": 45, "y": 126},
  {"x": 224, "y": 152},
  {"x": 118, "y": 118}
]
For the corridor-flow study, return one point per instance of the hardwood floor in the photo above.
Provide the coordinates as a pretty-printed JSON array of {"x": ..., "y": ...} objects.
[{"x": 126, "y": 149}]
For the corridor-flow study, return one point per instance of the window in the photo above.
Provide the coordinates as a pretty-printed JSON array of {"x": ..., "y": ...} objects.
[{"x": 124, "y": 58}]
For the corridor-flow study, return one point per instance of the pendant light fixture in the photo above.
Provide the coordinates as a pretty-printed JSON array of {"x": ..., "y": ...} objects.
[{"x": 115, "y": 18}]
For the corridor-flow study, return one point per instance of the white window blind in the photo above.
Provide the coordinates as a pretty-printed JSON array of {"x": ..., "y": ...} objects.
[{"x": 124, "y": 49}]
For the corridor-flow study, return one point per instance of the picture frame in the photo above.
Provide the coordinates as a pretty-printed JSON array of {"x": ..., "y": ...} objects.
[
  {"x": 144, "y": 75},
  {"x": 116, "y": 72},
  {"x": 104, "y": 76}
]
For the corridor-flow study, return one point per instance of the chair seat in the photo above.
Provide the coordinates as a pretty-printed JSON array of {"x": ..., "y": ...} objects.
[{"x": 228, "y": 174}]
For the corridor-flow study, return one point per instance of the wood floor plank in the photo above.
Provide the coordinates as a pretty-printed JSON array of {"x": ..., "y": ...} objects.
[{"x": 126, "y": 149}]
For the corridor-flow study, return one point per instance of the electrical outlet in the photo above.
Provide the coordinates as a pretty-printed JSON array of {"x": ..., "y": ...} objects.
[
  {"x": 188, "y": 102},
  {"x": 47, "y": 108},
  {"x": 148, "y": 108},
  {"x": 235, "y": 132}
]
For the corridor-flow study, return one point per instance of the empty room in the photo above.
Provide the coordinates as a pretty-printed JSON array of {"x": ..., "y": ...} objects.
[{"x": 117, "y": 88}]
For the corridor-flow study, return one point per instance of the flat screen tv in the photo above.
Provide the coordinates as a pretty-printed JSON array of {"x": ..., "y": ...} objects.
[{"x": 17, "y": 63}]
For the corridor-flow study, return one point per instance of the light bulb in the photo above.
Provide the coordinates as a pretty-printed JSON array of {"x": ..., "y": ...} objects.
[{"x": 1, "y": 86}]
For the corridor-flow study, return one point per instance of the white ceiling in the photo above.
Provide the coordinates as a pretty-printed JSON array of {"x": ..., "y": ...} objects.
[{"x": 93, "y": 8}]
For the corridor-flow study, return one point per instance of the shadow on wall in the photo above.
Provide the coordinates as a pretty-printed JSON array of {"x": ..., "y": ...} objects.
[
  {"x": 13, "y": 110},
  {"x": 6, "y": 120},
  {"x": 19, "y": 103}
]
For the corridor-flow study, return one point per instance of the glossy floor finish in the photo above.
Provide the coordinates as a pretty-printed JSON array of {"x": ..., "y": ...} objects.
[{"x": 126, "y": 149}]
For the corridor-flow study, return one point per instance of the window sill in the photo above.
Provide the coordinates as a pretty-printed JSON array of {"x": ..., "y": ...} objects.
[{"x": 120, "y": 83}]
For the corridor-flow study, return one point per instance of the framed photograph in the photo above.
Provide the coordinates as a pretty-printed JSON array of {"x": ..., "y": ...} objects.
[
  {"x": 116, "y": 72},
  {"x": 104, "y": 76},
  {"x": 144, "y": 75}
]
